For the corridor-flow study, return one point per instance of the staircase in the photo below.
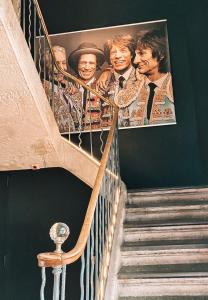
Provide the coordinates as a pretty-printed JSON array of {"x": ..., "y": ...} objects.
[{"x": 164, "y": 255}]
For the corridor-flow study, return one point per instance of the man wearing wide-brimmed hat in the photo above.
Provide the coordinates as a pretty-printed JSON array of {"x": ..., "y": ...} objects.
[{"x": 85, "y": 60}]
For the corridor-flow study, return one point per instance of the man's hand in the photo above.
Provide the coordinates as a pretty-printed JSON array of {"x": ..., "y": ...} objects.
[{"x": 103, "y": 81}]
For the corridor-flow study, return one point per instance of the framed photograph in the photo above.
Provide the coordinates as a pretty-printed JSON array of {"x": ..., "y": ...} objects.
[{"x": 128, "y": 64}]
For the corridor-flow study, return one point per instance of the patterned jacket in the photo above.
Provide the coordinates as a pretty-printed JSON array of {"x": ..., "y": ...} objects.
[
  {"x": 66, "y": 108},
  {"x": 132, "y": 101}
]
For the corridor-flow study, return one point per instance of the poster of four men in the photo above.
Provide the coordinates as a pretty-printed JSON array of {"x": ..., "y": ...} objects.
[{"x": 127, "y": 64}]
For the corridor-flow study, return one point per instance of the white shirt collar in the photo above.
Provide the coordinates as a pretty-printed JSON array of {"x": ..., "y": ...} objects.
[
  {"x": 158, "y": 82},
  {"x": 125, "y": 75}
]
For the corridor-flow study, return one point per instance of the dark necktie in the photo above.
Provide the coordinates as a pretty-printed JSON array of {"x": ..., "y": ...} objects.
[
  {"x": 84, "y": 99},
  {"x": 121, "y": 81},
  {"x": 152, "y": 87}
]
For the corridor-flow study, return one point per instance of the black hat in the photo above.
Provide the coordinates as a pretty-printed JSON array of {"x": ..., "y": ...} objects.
[{"x": 86, "y": 48}]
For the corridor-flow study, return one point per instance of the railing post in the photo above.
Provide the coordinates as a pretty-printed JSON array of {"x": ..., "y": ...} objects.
[{"x": 59, "y": 232}]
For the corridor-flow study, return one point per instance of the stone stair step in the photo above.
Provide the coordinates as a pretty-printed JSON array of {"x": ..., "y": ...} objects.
[
  {"x": 159, "y": 245},
  {"x": 156, "y": 223},
  {"x": 162, "y": 234},
  {"x": 164, "y": 202},
  {"x": 161, "y": 287},
  {"x": 165, "y": 298},
  {"x": 165, "y": 270},
  {"x": 199, "y": 192},
  {"x": 170, "y": 256},
  {"x": 167, "y": 213}
]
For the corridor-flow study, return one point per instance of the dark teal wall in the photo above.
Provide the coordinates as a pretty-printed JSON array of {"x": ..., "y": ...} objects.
[{"x": 30, "y": 203}]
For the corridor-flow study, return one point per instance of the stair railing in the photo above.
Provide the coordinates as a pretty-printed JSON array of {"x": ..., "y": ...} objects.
[{"x": 94, "y": 243}]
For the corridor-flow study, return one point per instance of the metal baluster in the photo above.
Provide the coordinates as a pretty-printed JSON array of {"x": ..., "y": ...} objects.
[
  {"x": 44, "y": 59},
  {"x": 56, "y": 285},
  {"x": 101, "y": 140},
  {"x": 96, "y": 246},
  {"x": 23, "y": 16},
  {"x": 43, "y": 273},
  {"x": 82, "y": 287},
  {"x": 106, "y": 205},
  {"x": 89, "y": 100},
  {"x": 29, "y": 27},
  {"x": 63, "y": 283},
  {"x": 34, "y": 35},
  {"x": 92, "y": 262},
  {"x": 39, "y": 51},
  {"x": 88, "y": 269},
  {"x": 69, "y": 132},
  {"x": 80, "y": 128},
  {"x": 49, "y": 58},
  {"x": 53, "y": 85},
  {"x": 100, "y": 231},
  {"x": 80, "y": 139},
  {"x": 101, "y": 127},
  {"x": 103, "y": 219}
]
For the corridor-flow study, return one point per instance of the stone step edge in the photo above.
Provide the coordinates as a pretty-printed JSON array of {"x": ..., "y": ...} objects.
[
  {"x": 128, "y": 247},
  {"x": 179, "y": 297},
  {"x": 168, "y": 191},
  {"x": 163, "y": 287},
  {"x": 169, "y": 228},
  {"x": 164, "y": 257},
  {"x": 179, "y": 228},
  {"x": 167, "y": 209}
]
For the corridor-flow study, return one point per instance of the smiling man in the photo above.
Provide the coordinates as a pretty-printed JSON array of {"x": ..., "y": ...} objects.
[
  {"x": 120, "y": 52},
  {"x": 150, "y": 99},
  {"x": 66, "y": 112},
  {"x": 85, "y": 60}
]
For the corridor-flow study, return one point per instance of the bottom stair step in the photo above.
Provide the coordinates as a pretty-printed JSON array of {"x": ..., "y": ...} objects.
[
  {"x": 166, "y": 298},
  {"x": 164, "y": 287}
]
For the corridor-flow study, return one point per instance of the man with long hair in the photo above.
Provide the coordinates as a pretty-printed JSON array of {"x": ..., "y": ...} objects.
[{"x": 150, "y": 100}]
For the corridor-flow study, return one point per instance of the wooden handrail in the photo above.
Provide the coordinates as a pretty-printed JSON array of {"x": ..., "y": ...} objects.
[
  {"x": 66, "y": 74},
  {"x": 52, "y": 259}
]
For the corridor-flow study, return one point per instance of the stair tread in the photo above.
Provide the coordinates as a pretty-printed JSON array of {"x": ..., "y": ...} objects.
[
  {"x": 167, "y": 270},
  {"x": 174, "y": 208},
  {"x": 156, "y": 223},
  {"x": 179, "y": 297},
  {"x": 172, "y": 190},
  {"x": 165, "y": 202},
  {"x": 174, "y": 227},
  {"x": 128, "y": 247}
]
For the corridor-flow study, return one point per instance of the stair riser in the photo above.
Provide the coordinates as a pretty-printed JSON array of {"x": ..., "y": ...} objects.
[
  {"x": 167, "y": 213},
  {"x": 163, "y": 287},
  {"x": 181, "y": 256},
  {"x": 135, "y": 235},
  {"x": 169, "y": 194},
  {"x": 165, "y": 298},
  {"x": 159, "y": 216},
  {"x": 135, "y": 199}
]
